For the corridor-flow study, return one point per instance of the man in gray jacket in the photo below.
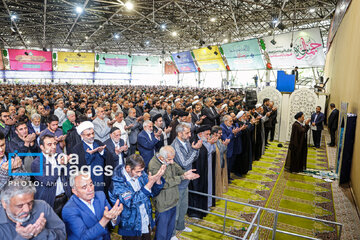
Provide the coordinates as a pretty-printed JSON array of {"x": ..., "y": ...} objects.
[
  {"x": 102, "y": 125},
  {"x": 22, "y": 217},
  {"x": 185, "y": 155},
  {"x": 135, "y": 127}
]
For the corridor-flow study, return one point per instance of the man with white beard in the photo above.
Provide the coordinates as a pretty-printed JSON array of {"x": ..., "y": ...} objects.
[{"x": 22, "y": 217}]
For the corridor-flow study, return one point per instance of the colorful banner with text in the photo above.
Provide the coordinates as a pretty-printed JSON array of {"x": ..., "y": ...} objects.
[
  {"x": 114, "y": 63},
  {"x": 76, "y": 62},
  {"x": 244, "y": 55},
  {"x": 209, "y": 59},
  {"x": 184, "y": 62},
  {"x": 30, "y": 60},
  {"x": 307, "y": 50},
  {"x": 146, "y": 64}
]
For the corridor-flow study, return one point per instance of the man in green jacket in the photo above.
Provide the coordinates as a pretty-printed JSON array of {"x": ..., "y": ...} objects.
[
  {"x": 166, "y": 201},
  {"x": 70, "y": 121}
]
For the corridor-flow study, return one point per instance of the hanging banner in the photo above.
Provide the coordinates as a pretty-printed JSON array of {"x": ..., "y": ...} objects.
[
  {"x": 1, "y": 61},
  {"x": 114, "y": 63},
  {"x": 244, "y": 55},
  {"x": 30, "y": 60},
  {"x": 184, "y": 62},
  {"x": 146, "y": 64},
  {"x": 170, "y": 68},
  {"x": 76, "y": 62},
  {"x": 209, "y": 59},
  {"x": 307, "y": 50}
]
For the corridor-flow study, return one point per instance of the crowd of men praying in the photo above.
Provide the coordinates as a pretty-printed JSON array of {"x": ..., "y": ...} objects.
[{"x": 128, "y": 144}]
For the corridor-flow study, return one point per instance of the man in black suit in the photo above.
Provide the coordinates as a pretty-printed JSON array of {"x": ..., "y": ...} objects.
[
  {"x": 167, "y": 117},
  {"x": 117, "y": 149},
  {"x": 333, "y": 121},
  {"x": 212, "y": 116}
]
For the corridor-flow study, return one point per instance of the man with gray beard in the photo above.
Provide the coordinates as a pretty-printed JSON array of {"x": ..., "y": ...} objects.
[{"x": 22, "y": 217}]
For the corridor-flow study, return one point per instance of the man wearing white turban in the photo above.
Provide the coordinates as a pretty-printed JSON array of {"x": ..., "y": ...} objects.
[{"x": 91, "y": 153}]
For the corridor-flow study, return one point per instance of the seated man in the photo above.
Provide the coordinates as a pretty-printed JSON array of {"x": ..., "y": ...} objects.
[
  {"x": 133, "y": 187},
  {"x": 87, "y": 213},
  {"x": 22, "y": 217}
]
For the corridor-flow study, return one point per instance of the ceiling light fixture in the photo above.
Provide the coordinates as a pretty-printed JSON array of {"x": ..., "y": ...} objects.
[
  {"x": 13, "y": 17},
  {"x": 226, "y": 40},
  {"x": 312, "y": 10},
  {"x": 174, "y": 34},
  {"x": 163, "y": 26},
  {"x": 79, "y": 10},
  {"x": 116, "y": 36},
  {"x": 86, "y": 37},
  {"x": 129, "y": 5},
  {"x": 212, "y": 19},
  {"x": 28, "y": 41},
  {"x": 147, "y": 42}
]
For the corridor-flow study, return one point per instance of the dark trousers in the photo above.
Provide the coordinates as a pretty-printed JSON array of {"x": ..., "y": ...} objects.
[
  {"x": 230, "y": 163},
  {"x": 332, "y": 135},
  {"x": 132, "y": 149},
  {"x": 144, "y": 236},
  {"x": 316, "y": 138},
  {"x": 165, "y": 224},
  {"x": 272, "y": 133},
  {"x": 59, "y": 203},
  {"x": 267, "y": 131}
]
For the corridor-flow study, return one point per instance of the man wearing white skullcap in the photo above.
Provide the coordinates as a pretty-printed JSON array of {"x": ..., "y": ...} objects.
[{"x": 91, "y": 154}]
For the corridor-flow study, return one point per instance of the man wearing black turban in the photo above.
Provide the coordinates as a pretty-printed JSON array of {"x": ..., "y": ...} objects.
[{"x": 297, "y": 152}]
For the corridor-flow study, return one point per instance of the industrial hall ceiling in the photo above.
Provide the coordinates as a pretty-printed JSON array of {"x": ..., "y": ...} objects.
[{"x": 153, "y": 26}]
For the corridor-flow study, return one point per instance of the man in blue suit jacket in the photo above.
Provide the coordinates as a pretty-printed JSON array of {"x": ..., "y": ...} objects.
[
  {"x": 53, "y": 185},
  {"x": 229, "y": 132},
  {"x": 317, "y": 121},
  {"x": 147, "y": 141},
  {"x": 87, "y": 213}
]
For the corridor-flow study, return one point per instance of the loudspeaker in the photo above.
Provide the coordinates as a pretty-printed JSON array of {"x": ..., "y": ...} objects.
[{"x": 250, "y": 98}]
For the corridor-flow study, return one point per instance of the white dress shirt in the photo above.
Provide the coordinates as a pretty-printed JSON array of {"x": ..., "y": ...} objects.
[
  {"x": 59, "y": 183},
  {"x": 121, "y": 161}
]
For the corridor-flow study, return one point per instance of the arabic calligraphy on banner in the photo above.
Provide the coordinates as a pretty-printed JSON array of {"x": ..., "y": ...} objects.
[
  {"x": 307, "y": 50},
  {"x": 209, "y": 59},
  {"x": 76, "y": 62},
  {"x": 146, "y": 64},
  {"x": 114, "y": 63},
  {"x": 244, "y": 55},
  {"x": 184, "y": 62},
  {"x": 170, "y": 68},
  {"x": 31, "y": 60}
]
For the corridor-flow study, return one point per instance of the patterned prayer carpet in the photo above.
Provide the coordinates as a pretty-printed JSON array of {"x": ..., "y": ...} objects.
[{"x": 269, "y": 185}]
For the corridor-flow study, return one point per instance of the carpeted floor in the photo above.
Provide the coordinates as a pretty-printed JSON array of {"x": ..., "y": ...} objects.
[{"x": 269, "y": 185}]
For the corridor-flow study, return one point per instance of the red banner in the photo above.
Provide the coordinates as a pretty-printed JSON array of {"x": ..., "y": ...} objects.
[{"x": 170, "y": 68}]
